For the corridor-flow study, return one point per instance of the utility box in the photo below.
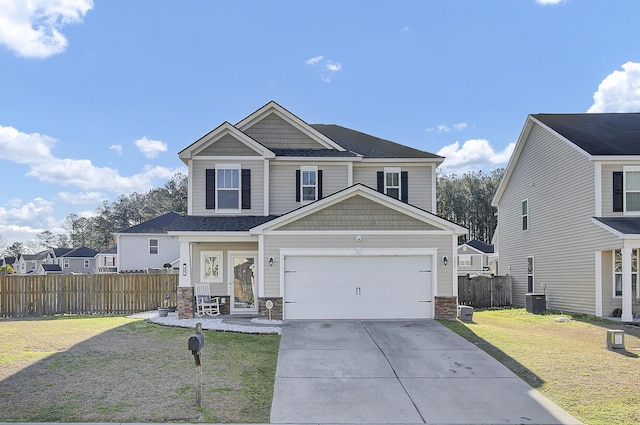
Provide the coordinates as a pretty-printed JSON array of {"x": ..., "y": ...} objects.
[
  {"x": 615, "y": 339},
  {"x": 465, "y": 313},
  {"x": 536, "y": 303}
]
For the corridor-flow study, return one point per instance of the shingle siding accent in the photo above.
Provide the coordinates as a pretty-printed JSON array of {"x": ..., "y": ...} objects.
[
  {"x": 357, "y": 213},
  {"x": 228, "y": 146},
  {"x": 275, "y": 133},
  {"x": 558, "y": 183}
]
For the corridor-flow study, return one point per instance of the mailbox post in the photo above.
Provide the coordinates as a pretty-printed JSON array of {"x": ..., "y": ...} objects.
[{"x": 196, "y": 342}]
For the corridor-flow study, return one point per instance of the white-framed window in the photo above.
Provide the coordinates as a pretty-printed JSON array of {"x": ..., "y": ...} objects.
[
  {"x": 309, "y": 183},
  {"x": 631, "y": 190},
  {"x": 525, "y": 214},
  {"x": 65, "y": 263},
  {"x": 211, "y": 266},
  {"x": 228, "y": 187},
  {"x": 465, "y": 260},
  {"x": 153, "y": 246},
  {"x": 392, "y": 181},
  {"x": 617, "y": 272},
  {"x": 109, "y": 261},
  {"x": 87, "y": 264},
  {"x": 530, "y": 282}
]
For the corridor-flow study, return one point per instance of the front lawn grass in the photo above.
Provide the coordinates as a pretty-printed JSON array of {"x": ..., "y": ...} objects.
[
  {"x": 568, "y": 362},
  {"x": 115, "y": 369}
]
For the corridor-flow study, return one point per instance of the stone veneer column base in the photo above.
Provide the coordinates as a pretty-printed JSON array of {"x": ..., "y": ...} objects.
[
  {"x": 446, "y": 308},
  {"x": 186, "y": 302},
  {"x": 276, "y": 311}
]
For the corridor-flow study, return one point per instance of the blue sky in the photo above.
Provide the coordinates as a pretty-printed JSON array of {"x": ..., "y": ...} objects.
[{"x": 97, "y": 97}]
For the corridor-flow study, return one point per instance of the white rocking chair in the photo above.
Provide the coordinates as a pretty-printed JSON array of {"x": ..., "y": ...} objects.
[{"x": 205, "y": 303}]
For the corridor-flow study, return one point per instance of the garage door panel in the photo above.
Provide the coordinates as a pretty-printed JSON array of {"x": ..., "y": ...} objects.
[{"x": 358, "y": 287}]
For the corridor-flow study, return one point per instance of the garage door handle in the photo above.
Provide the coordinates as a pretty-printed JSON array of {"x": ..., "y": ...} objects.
[
  {"x": 425, "y": 301},
  {"x": 291, "y": 302}
]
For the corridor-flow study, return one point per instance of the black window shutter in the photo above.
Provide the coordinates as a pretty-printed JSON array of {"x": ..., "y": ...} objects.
[
  {"x": 210, "y": 188},
  {"x": 246, "y": 189},
  {"x": 319, "y": 184},
  {"x": 297, "y": 185},
  {"x": 404, "y": 186},
  {"x": 381, "y": 181},
  {"x": 618, "y": 191}
]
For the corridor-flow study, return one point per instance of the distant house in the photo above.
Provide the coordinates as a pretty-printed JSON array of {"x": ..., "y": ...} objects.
[
  {"x": 569, "y": 213},
  {"x": 29, "y": 263},
  {"x": 49, "y": 269},
  {"x": 79, "y": 260},
  {"x": 107, "y": 260},
  {"x": 147, "y": 245},
  {"x": 475, "y": 257},
  {"x": 55, "y": 255}
]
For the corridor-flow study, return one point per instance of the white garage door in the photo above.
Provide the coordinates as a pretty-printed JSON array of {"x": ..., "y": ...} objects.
[{"x": 371, "y": 287}]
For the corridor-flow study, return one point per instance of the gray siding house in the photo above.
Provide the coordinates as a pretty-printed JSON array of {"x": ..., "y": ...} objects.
[
  {"x": 475, "y": 257},
  {"x": 569, "y": 213},
  {"x": 306, "y": 221}
]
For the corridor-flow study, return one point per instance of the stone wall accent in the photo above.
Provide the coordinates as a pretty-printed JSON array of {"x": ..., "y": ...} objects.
[
  {"x": 276, "y": 311},
  {"x": 446, "y": 308},
  {"x": 186, "y": 302}
]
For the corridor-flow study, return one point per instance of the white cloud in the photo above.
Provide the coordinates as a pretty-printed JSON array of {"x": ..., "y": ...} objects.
[
  {"x": 150, "y": 148},
  {"x": 24, "y": 148},
  {"x": 32, "y": 28},
  {"x": 548, "y": 2},
  {"x": 80, "y": 198},
  {"x": 475, "y": 154},
  {"x": 443, "y": 128},
  {"x": 117, "y": 148},
  {"x": 619, "y": 91},
  {"x": 34, "y": 212},
  {"x": 314, "y": 60}
]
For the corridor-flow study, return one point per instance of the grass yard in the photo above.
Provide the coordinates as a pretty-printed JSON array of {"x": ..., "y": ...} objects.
[
  {"x": 115, "y": 369},
  {"x": 567, "y": 362}
]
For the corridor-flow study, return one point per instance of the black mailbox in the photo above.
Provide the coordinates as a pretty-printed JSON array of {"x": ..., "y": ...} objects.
[{"x": 196, "y": 342}]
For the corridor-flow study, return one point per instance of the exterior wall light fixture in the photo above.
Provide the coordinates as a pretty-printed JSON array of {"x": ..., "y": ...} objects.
[
  {"x": 270, "y": 261},
  {"x": 445, "y": 260}
]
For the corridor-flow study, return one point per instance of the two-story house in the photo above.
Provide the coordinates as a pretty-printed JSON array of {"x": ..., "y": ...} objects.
[
  {"x": 569, "y": 213},
  {"x": 475, "y": 257},
  {"x": 30, "y": 263},
  {"x": 310, "y": 221}
]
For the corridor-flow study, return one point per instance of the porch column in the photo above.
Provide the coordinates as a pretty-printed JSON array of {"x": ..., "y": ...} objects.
[
  {"x": 627, "y": 313},
  {"x": 598, "y": 267},
  {"x": 185, "y": 265}
]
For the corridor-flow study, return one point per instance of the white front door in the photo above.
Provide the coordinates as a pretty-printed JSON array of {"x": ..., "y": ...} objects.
[{"x": 243, "y": 281}]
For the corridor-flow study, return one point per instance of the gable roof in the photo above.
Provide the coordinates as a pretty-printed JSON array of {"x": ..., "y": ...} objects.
[
  {"x": 156, "y": 225},
  {"x": 7, "y": 260},
  {"x": 198, "y": 223},
  {"x": 370, "y": 146},
  {"x": 597, "y": 134},
  {"x": 112, "y": 250},
  {"x": 81, "y": 252},
  {"x": 59, "y": 252},
  {"x": 42, "y": 255},
  {"x": 480, "y": 246}
]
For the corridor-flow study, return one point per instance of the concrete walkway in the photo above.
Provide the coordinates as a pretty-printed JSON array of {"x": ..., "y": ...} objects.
[{"x": 410, "y": 372}]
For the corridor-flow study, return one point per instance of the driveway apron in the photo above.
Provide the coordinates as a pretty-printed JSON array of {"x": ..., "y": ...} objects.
[{"x": 397, "y": 371}]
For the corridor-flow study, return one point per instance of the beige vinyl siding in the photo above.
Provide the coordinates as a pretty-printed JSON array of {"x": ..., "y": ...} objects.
[
  {"x": 349, "y": 214},
  {"x": 198, "y": 186},
  {"x": 609, "y": 302},
  {"x": 275, "y": 241},
  {"x": 420, "y": 180},
  {"x": 282, "y": 179},
  {"x": 228, "y": 145},
  {"x": 558, "y": 182},
  {"x": 275, "y": 133},
  {"x": 219, "y": 288}
]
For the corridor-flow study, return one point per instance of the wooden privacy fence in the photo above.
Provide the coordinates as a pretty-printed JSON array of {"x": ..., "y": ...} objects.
[
  {"x": 484, "y": 291},
  {"x": 23, "y": 296}
]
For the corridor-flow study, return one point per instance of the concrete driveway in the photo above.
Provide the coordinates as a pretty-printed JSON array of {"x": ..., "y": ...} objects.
[{"x": 388, "y": 371}]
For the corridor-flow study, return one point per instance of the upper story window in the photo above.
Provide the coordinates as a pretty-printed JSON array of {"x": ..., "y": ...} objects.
[
  {"x": 394, "y": 182},
  {"x": 525, "y": 214},
  {"x": 65, "y": 263},
  {"x": 632, "y": 190},
  {"x": 153, "y": 246},
  {"x": 86, "y": 264},
  {"x": 308, "y": 184},
  {"x": 228, "y": 188}
]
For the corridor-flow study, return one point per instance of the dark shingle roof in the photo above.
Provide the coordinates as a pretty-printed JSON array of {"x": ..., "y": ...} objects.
[
  {"x": 481, "y": 246},
  {"x": 81, "y": 252},
  {"x": 624, "y": 225},
  {"x": 218, "y": 224},
  {"x": 598, "y": 134},
  {"x": 59, "y": 252},
  {"x": 331, "y": 153},
  {"x": 159, "y": 224},
  {"x": 369, "y": 146},
  {"x": 51, "y": 268},
  {"x": 112, "y": 250}
]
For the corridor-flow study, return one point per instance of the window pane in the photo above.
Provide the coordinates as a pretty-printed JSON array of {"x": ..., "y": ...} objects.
[
  {"x": 634, "y": 261},
  {"x": 228, "y": 199},
  {"x": 392, "y": 179},
  {"x": 228, "y": 179},
  {"x": 632, "y": 180},
  {"x": 617, "y": 262},
  {"x": 633, "y": 201},
  {"x": 394, "y": 193},
  {"x": 525, "y": 208},
  {"x": 618, "y": 289},
  {"x": 529, "y": 265},
  {"x": 309, "y": 193},
  {"x": 525, "y": 222},
  {"x": 309, "y": 178}
]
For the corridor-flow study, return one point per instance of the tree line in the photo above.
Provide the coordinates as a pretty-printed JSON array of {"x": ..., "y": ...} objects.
[{"x": 464, "y": 199}]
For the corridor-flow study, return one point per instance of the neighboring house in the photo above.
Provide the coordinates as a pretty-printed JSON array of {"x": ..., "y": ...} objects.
[
  {"x": 8, "y": 261},
  {"x": 569, "y": 213},
  {"x": 79, "y": 260},
  {"x": 107, "y": 260},
  {"x": 29, "y": 263},
  {"x": 314, "y": 221},
  {"x": 475, "y": 257},
  {"x": 147, "y": 245},
  {"x": 49, "y": 269},
  {"x": 55, "y": 255}
]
